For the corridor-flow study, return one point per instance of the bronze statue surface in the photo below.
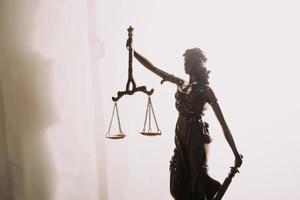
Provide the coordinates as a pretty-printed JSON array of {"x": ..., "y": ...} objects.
[{"x": 189, "y": 179}]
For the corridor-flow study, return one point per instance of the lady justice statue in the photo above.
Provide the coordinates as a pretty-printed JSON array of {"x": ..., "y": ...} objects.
[{"x": 189, "y": 179}]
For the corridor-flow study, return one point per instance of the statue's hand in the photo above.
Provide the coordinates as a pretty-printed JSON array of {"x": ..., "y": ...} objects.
[{"x": 238, "y": 160}]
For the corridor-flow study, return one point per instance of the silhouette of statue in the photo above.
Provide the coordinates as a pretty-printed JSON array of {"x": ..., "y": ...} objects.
[{"x": 189, "y": 179}]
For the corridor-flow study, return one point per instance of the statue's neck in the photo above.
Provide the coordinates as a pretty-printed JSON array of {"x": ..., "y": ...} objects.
[{"x": 193, "y": 78}]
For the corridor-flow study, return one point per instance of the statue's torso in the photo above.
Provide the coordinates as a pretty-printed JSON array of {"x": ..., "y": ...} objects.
[{"x": 191, "y": 99}]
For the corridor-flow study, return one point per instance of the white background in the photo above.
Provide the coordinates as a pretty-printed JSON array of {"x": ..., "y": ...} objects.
[{"x": 252, "y": 49}]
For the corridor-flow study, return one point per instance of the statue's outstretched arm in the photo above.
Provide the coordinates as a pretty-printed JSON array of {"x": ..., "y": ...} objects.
[
  {"x": 218, "y": 112},
  {"x": 164, "y": 75}
]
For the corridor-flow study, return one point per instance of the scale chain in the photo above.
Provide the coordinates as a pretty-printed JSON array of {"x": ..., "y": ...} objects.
[
  {"x": 146, "y": 116},
  {"x": 111, "y": 119},
  {"x": 118, "y": 117},
  {"x": 154, "y": 115},
  {"x": 149, "y": 105}
]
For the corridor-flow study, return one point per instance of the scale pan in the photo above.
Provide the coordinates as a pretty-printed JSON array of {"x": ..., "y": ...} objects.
[
  {"x": 150, "y": 133},
  {"x": 115, "y": 136}
]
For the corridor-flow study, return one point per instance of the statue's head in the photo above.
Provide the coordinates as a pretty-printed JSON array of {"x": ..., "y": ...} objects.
[{"x": 194, "y": 60}]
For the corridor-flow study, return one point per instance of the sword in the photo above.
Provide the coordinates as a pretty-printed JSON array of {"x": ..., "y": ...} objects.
[{"x": 226, "y": 183}]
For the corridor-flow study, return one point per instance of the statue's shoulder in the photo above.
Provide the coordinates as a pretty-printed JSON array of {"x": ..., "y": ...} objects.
[
  {"x": 209, "y": 93},
  {"x": 182, "y": 84}
]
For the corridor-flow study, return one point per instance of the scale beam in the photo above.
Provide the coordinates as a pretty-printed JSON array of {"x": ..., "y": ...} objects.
[
  {"x": 131, "y": 92},
  {"x": 130, "y": 80}
]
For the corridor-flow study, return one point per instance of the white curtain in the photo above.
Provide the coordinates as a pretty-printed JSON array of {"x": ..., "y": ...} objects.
[{"x": 50, "y": 113}]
